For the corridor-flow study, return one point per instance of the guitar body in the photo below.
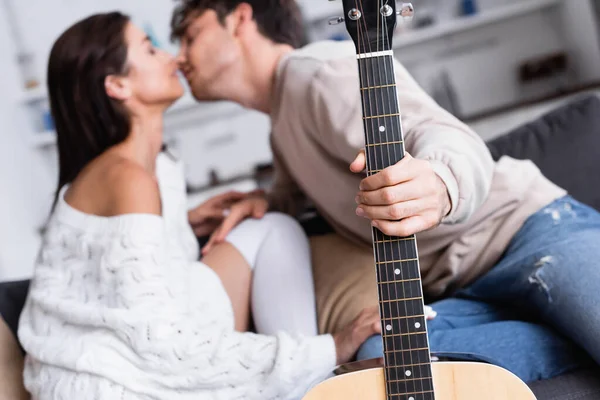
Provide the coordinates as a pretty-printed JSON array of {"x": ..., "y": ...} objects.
[{"x": 451, "y": 381}]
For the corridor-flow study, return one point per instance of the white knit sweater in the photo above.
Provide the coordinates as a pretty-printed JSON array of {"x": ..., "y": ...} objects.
[{"x": 119, "y": 309}]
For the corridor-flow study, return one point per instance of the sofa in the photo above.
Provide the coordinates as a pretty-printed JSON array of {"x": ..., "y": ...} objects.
[{"x": 564, "y": 143}]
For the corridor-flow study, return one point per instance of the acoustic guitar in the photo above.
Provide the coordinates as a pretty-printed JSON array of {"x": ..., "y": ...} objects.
[{"x": 407, "y": 372}]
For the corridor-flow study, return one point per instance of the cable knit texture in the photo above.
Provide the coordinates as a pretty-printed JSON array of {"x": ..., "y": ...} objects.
[{"x": 119, "y": 309}]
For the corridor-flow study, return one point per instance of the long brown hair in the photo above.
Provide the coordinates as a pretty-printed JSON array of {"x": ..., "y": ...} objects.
[{"x": 87, "y": 120}]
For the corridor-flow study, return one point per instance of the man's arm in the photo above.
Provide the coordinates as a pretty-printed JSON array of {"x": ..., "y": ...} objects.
[
  {"x": 284, "y": 195},
  {"x": 457, "y": 154},
  {"x": 452, "y": 183}
]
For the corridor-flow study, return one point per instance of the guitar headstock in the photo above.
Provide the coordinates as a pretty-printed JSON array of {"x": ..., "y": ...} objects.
[{"x": 371, "y": 23}]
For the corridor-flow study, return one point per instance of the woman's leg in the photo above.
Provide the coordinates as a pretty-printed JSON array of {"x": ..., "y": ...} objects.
[
  {"x": 282, "y": 296},
  {"x": 236, "y": 276}
]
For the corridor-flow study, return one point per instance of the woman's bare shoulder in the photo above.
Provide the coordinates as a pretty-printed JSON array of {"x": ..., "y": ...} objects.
[{"x": 115, "y": 186}]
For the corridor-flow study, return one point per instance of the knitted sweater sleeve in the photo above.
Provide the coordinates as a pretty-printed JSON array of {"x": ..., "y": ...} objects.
[{"x": 140, "y": 317}]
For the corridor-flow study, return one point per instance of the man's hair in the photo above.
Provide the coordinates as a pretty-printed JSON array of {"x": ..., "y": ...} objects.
[{"x": 278, "y": 20}]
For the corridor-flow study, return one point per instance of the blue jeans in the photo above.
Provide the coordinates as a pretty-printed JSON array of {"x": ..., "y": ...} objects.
[{"x": 536, "y": 313}]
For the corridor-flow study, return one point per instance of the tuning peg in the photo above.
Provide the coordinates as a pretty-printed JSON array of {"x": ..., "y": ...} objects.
[
  {"x": 407, "y": 11},
  {"x": 335, "y": 20}
]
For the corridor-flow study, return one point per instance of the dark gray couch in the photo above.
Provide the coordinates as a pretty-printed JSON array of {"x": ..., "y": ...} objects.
[{"x": 565, "y": 144}]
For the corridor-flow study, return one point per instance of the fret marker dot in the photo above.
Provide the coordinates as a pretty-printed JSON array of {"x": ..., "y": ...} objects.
[
  {"x": 397, "y": 272},
  {"x": 417, "y": 325},
  {"x": 382, "y": 128},
  {"x": 388, "y": 327},
  {"x": 408, "y": 373},
  {"x": 411, "y": 398}
]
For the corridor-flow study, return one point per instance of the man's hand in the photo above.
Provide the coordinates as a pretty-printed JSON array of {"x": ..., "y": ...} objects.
[
  {"x": 255, "y": 205},
  {"x": 403, "y": 199},
  {"x": 205, "y": 218}
]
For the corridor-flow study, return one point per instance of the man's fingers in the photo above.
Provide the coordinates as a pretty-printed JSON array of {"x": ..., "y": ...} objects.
[
  {"x": 405, "y": 227},
  {"x": 360, "y": 163},
  {"x": 392, "y": 212},
  {"x": 236, "y": 216},
  {"x": 406, "y": 191},
  {"x": 204, "y": 214},
  {"x": 402, "y": 171},
  {"x": 232, "y": 195},
  {"x": 209, "y": 244}
]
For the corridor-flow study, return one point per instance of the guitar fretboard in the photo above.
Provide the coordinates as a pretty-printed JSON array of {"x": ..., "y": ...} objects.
[{"x": 404, "y": 332}]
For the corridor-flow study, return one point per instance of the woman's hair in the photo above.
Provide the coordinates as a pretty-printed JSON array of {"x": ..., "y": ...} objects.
[{"x": 87, "y": 120}]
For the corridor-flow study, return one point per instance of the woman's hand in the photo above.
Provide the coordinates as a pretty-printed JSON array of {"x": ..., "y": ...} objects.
[
  {"x": 349, "y": 339},
  {"x": 255, "y": 205}
]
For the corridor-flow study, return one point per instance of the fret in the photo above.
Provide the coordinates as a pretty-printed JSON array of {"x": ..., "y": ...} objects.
[
  {"x": 378, "y": 87},
  {"x": 397, "y": 261},
  {"x": 380, "y": 100},
  {"x": 395, "y": 240},
  {"x": 383, "y": 143},
  {"x": 416, "y": 395},
  {"x": 408, "y": 379},
  {"x": 401, "y": 352},
  {"x": 382, "y": 116},
  {"x": 422, "y": 396},
  {"x": 408, "y": 316},
  {"x": 390, "y": 270},
  {"x": 402, "y": 325},
  {"x": 413, "y": 386},
  {"x": 392, "y": 310},
  {"x": 383, "y": 129},
  {"x": 384, "y": 155},
  {"x": 406, "y": 340},
  {"x": 400, "y": 250},
  {"x": 400, "y": 300},
  {"x": 405, "y": 291},
  {"x": 401, "y": 280},
  {"x": 418, "y": 369}
]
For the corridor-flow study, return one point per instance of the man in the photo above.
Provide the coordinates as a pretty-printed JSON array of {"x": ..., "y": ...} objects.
[{"x": 503, "y": 241}]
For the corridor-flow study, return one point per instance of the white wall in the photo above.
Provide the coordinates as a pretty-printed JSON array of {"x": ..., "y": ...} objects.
[
  {"x": 579, "y": 22},
  {"x": 23, "y": 179},
  {"x": 482, "y": 63}
]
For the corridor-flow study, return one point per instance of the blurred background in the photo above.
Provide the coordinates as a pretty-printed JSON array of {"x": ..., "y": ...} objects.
[{"x": 495, "y": 64}]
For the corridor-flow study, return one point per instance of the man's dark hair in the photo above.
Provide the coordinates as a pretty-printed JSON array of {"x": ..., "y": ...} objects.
[{"x": 278, "y": 20}]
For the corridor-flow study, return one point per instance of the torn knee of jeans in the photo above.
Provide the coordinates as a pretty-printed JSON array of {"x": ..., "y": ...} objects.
[
  {"x": 430, "y": 313},
  {"x": 555, "y": 212},
  {"x": 537, "y": 276}
]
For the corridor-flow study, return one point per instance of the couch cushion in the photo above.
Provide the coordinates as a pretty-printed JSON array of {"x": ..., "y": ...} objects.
[
  {"x": 12, "y": 300},
  {"x": 579, "y": 385},
  {"x": 564, "y": 145}
]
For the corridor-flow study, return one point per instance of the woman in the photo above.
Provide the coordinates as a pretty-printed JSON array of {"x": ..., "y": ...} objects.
[{"x": 118, "y": 307}]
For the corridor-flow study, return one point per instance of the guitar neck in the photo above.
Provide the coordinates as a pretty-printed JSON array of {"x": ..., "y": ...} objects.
[{"x": 406, "y": 347}]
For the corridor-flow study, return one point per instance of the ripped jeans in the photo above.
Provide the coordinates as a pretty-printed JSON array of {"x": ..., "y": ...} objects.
[{"x": 536, "y": 313}]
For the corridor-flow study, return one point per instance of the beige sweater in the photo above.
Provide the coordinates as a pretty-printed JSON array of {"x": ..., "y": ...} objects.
[{"x": 317, "y": 131}]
